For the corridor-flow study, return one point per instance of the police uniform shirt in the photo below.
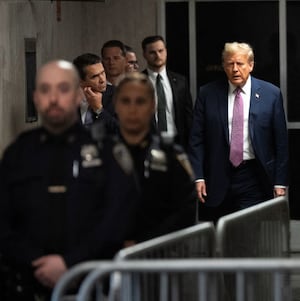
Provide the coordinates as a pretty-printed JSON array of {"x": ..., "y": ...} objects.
[
  {"x": 167, "y": 201},
  {"x": 55, "y": 213}
]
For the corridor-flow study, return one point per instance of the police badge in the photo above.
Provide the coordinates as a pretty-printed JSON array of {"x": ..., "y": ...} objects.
[{"x": 90, "y": 156}]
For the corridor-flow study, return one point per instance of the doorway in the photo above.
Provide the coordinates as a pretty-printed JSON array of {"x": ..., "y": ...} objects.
[{"x": 196, "y": 30}]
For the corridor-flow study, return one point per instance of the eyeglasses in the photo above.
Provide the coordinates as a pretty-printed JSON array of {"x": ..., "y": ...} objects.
[{"x": 133, "y": 62}]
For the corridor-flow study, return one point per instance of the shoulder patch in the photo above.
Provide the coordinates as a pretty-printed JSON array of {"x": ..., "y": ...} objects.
[
  {"x": 123, "y": 157},
  {"x": 158, "y": 160}
]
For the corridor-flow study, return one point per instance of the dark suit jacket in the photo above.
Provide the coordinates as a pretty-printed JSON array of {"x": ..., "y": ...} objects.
[
  {"x": 108, "y": 116},
  {"x": 183, "y": 106},
  {"x": 209, "y": 141}
]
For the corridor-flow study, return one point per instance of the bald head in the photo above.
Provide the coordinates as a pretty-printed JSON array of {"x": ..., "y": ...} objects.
[
  {"x": 62, "y": 65},
  {"x": 57, "y": 95}
]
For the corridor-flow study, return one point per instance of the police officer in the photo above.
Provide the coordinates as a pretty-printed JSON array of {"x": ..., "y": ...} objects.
[
  {"x": 167, "y": 197},
  {"x": 51, "y": 191}
]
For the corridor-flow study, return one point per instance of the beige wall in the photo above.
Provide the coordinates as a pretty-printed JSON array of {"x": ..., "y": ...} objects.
[{"x": 84, "y": 27}]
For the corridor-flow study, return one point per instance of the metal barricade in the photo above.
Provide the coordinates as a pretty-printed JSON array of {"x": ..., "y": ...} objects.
[
  {"x": 258, "y": 231},
  {"x": 203, "y": 269},
  {"x": 193, "y": 242}
]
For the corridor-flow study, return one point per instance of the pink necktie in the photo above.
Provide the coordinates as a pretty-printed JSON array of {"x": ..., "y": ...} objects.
[{"x": 237, "y": 135}]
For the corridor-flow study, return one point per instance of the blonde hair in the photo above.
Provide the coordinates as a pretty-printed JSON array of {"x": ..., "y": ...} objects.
[{"x": 230, "y": 48}]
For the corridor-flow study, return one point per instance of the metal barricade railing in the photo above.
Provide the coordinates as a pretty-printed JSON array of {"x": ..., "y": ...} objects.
[
  {"x": 193, "y": 242},
  {"x": 262, "y": 230},
  {"x": 258, "y": 231},
  {"x": 203, "y": 269}
]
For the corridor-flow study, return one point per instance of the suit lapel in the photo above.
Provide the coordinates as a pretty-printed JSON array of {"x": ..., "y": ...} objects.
[
  {"x": 255, "y": 101},
  {"x": 173, "y": 84},
  {"x": 222, "y": 95}
]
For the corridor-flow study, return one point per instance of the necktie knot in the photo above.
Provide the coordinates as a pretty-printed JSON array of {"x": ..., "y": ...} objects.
[{"x": 238, "y": 91}]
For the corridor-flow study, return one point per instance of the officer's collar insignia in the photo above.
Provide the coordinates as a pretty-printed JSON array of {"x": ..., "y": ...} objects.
[
  {"x": 90, "y": 156},
  {"x": 158, "y": 160},
  {"x": 123, "y": 157},
  {"x": 185, "y": 163}
]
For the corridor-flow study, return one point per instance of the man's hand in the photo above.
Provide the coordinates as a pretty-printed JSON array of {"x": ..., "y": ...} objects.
[
  {"x": 201, "y": 190},
  {"x": 48, "y": 269},
  {"x": 279, "y": 191},
  {"x": 129, "y": 243},
  {"x": 94, "y": 99}
]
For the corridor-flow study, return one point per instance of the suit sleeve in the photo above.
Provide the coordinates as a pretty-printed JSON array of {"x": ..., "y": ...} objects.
[
  {"x": 281, "y": 143},
  {"x": 196, "y": 142},
  {"x": 188, "y": 110}
]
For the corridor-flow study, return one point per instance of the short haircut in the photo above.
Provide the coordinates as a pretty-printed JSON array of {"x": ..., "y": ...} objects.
[
  {"x": 114, "y": 43},
  {"x": 234, "y": 47},
  {"x": 137, "y": 77},
  {"x": 128, "y": 48},
  {"x": 150, "y": 40},
  {"x": 84, "y": 60}
]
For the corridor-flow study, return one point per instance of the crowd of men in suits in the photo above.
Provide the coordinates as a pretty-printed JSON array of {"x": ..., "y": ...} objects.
[{"x": 123, "y": 156}]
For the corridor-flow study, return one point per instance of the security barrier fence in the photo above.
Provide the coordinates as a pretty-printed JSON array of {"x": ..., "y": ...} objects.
[
  {"x": 194, "y": 242},
  {"x": 204, "y": 270},
  {"x": 260, "y": 231}
]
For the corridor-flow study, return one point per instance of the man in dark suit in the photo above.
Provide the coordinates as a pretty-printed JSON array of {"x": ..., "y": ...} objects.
[
  {"x": 235, "y": 171},
  {"x": 178, "y": 100},
  {"x": 96, "y": 102}
]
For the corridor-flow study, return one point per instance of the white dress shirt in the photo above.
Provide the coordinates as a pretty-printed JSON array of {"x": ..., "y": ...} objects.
[
  {"x": 170, "y": 114},
  {"x": 248, "y": 153}
]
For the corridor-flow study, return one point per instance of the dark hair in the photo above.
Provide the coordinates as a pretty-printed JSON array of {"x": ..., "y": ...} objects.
[
  {"x": 114, "y": 43},
  {"x": 134, "y": 77},
  {"x": 128, "y": 48},
  {"x": 150, "y": 40},
  {"x": 84, "y": 60}
]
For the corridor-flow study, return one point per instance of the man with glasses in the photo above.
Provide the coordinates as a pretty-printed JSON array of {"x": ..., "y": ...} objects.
[{"x": 132, "y": 62}]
